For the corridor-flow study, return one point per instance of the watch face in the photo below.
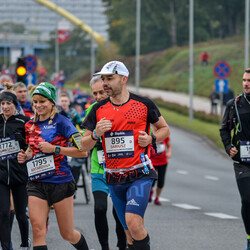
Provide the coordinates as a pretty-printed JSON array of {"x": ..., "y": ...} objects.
[{"x": 57, "y": 150}]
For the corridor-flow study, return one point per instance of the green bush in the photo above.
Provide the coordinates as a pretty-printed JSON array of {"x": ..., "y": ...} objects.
[{"x": 200, "y": 115}]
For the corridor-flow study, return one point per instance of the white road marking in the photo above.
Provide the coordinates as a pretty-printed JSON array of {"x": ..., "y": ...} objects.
[
  {"x": 184, "y": 172},
  {"x": 222, "y": 216},
  {"x": 161, "y": 199},
  {"x": 164, "y": 199},
  {"x": 212, "y": 178},
  {"x": 186, "y": 206}
]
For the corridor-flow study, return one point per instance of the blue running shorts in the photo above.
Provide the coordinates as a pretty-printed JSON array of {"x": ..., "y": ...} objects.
[{"x": 131, "y": 197}]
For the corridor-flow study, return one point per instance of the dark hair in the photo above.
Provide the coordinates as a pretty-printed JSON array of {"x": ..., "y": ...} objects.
[
  {"x": 8, "y": 96},
  {"x": 247, "y": 70}
]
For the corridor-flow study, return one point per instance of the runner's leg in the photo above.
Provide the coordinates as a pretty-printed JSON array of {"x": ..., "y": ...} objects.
[
  {"x": 5, "y": 216},
  {"x": 38, "y": 212},
  {"x": 101, "y": 222},
  {"x": 20, "y": 203},
  {"x": 65, "y": 219}
]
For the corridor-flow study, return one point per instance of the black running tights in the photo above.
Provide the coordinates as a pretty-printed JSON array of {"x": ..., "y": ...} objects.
[
  {"x": 20, "y": 203},
  {"x": 244, "y": 189}
]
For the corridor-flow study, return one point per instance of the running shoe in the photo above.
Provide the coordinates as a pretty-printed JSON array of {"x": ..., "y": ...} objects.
[
  {"x": 157, "y": 202},
  {"x": 29, "y": 245}
]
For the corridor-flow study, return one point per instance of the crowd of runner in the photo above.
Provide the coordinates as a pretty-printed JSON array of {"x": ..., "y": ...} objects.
[{"x": 41, "y": 125}]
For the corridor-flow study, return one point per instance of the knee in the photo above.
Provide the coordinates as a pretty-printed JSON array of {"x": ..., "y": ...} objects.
[
  {"x": 245, "y": 198},
  {"x": 245, "y": 201},
  {"x": 134, "y": 225},
  {"x": 100, "y": 210},
  {"x": 38, "y": 230}
]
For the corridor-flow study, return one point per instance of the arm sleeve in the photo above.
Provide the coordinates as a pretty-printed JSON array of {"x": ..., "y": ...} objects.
[
  {"x": 90, "y": 120},
  {"x": 153, "y": 112},
  {"x": 225, "y": 131},
  {"x": 66, "y": 127}
]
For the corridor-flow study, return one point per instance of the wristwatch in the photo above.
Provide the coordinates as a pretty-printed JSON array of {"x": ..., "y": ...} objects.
[
  {"x": 153, "y": 138},
  {"x": 57, "y": 150}
]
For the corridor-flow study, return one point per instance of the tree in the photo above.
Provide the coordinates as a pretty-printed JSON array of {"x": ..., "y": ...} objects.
[
  {"x": 74, "y": 54},
  {"x": 12, "y": 28},
  {"x": 165, "y": 23}
]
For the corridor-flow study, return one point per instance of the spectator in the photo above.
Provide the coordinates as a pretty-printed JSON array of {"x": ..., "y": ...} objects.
[
  {"x": 204, "y": 58},
  {"x": 22, "y": 96},
  {"x": 76, "y": 90},
  {"x": 61, "y": 78},
  {"x": 214, "y": 97},
  {"x": 227, "y": 96}
]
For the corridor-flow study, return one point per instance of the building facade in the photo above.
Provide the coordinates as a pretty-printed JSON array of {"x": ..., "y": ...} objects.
[{"x": 39, "y": 21}]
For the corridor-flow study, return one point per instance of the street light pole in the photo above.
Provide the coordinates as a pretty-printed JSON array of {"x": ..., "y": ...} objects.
[
  {"x": 57, "y": 66},
  {"x": 92, "y": 52},
  {"x": 191, "y": 57},
  {"x": 137, "y": 58},
  {"x": 246, "y": 33}
]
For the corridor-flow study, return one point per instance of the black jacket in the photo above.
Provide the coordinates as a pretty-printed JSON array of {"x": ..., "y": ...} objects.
[
  {"x": 11, "y": 172},
  {"x": 239, "y": 124}
]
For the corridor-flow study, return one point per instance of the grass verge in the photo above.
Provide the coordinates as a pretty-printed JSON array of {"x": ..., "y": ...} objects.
[{"x": 209, "y": 130}]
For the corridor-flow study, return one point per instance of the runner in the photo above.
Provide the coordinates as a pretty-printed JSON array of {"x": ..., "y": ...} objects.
[
  {"x": 13, "y": 175},
  {"x": 50, "y": 179},
  {"x": 236, "y": 143},
  {"x": 123, "y": 120},
  {"x": 159, "y": 157},
  {"x": 99, "y": 186}
]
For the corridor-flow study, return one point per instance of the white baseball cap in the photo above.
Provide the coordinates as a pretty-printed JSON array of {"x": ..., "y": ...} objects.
[{"x": 113, "y": 67}]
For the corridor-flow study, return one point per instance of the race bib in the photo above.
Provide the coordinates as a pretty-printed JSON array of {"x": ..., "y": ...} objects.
[
  {"x": 119, "y": 144},
  {"x": 100, "y": 156},
  {"x": 9, "y": 148},
  {"x": 40, "y": 166},
  {"x": 245, "y": 151},
  {"x": 160, "y": 146}
]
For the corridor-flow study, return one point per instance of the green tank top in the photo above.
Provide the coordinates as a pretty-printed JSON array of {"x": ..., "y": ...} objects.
[{"x": 96, "y": 168}]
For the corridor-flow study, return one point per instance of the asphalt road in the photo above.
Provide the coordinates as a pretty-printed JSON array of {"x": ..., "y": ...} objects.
[{"x": 200, "y": 204}]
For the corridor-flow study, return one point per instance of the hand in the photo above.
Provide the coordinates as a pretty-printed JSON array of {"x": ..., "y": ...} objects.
[
  {"x": 144, "y": 139},
  {"x": 233, "y": 151},
  {"x": 169, "y": 155},
  {"x": 21, "y": 156},
  {"x": 103, "y": 126},
  {"x": 46, "y": 147}
]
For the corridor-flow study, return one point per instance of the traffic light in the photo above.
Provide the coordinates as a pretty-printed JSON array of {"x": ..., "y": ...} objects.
[{"x": 21, "y": 70}]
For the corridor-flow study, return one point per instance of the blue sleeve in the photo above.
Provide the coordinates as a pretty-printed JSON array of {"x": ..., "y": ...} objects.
[{"x": 66, "y": 127}]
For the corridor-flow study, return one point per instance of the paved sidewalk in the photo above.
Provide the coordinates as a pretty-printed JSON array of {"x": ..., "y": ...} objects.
[{"x": 199, "y": 103}]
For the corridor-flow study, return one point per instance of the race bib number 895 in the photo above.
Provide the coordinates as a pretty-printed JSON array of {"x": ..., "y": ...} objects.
[{"x": 119, "y": 144}]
